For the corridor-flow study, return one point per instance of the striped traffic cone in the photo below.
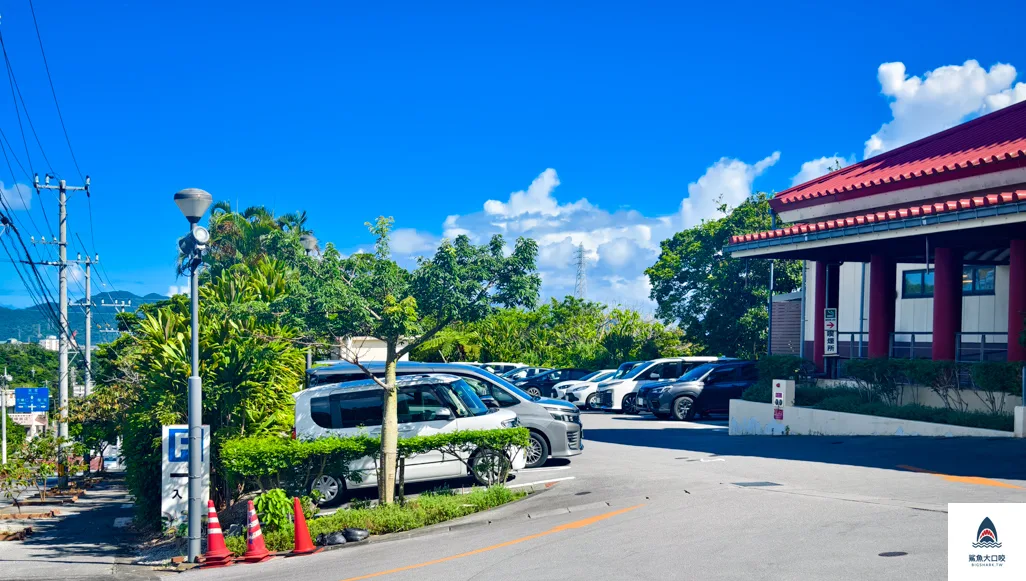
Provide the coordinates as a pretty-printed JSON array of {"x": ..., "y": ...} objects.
[
  {"x": 256, "y": 551},
  {"x": 217, "y": 554}
]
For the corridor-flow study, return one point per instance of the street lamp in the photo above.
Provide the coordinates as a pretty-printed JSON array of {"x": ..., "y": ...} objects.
[
  {"x": 194, "y": 203},
  {"x": 309, "y": 243}
]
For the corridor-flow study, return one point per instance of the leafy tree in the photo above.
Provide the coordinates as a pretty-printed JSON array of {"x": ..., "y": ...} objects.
[
  {"x": 15, "y": 434},
  {"x": 719, "y": 301},
  {"x": 371, "y": 295}
]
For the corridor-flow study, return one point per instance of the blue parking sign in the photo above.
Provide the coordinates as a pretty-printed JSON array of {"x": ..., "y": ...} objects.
[
  {"x": 29, "y": 400},
  {"x": 178, "y": 445}
]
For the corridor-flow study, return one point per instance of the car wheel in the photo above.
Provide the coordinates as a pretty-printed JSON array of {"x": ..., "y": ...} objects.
[
  {"x": 684, "y": 408},
  {"x": 592, "y": 402},
  {"x": 628, "y": 404},
  {"x": 537, "y": 452},
  {"x": 489, "y": 466},
  {"x": 329, "y": 490},
  {"x": 533, "y": 391}
]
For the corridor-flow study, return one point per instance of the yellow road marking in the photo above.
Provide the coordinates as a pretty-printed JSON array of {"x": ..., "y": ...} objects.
[
  {"x": 568, "y": 526},
  {"x": 962, "y": 479}
]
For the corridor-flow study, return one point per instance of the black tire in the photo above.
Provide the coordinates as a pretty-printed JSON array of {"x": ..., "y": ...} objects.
[
  {"x": 537, "y": 452},
  {"x": 628, "y": 406},
  {"x": 683, "y": 408},
  {"x": 325, "y": 484},
  {"x": 486, "y": 467},
  {"x": 533, "y": 391},
  {"x": 592, "y": 402}
]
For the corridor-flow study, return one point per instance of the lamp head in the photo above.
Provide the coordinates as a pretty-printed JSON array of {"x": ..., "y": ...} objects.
[
  {"x": 193, "y": 203},
  {"x": 309, "y": 242}
]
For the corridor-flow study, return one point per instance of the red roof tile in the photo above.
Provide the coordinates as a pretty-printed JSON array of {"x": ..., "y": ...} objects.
[
  {"x": 990, "y": 143},
  {"x": 873, "y": 217}
]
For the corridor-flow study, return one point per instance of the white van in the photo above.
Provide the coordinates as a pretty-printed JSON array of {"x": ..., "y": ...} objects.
[
  {"x": 618, "y": 394},
  {"x": 428, "y": 404}
]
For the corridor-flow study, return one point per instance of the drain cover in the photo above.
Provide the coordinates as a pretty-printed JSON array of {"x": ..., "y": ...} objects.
[
  {"x": 754, "y": 484},
  {"x": 583, "y": 493},
  {"x": 893, "y": 554}
]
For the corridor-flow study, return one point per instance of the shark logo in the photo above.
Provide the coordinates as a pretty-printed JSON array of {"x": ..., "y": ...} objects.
[{"x": 986, "y": 536}]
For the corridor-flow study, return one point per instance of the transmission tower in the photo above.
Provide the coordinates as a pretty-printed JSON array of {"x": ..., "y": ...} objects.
[{"x": 581, "y": 287}]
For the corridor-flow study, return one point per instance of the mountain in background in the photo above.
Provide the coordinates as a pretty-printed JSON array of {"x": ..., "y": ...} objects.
[{"x": 33, "y": 323}]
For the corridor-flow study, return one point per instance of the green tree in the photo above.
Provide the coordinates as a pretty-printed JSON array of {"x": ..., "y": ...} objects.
[
  {"x": 15, "y": 434},
  {"x": 719, "y": 301},
  {"x": 371, "y": 295}
]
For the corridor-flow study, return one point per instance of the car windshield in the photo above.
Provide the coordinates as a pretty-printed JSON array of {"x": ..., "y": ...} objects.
[
  {"x": 465, "y": 399},
  {"x": 595, "y": 376},
  {"x": 698, "y": 373},
  {"x": 636, "y": 370},
  {"x": 625, "y": 368}
]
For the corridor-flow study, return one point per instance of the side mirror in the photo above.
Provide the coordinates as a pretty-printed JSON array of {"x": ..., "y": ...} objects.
[
  {"x": 653, "y": 375},
  {"x": 490, "y": 402},
  {"x": 443, "y": 414}
]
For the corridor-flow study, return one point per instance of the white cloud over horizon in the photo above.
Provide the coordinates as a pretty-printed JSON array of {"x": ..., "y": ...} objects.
[
  {"x": 17, "y": 197},
  {"x": 940, "y": 99},
  {"x": 815, "y": 168}
]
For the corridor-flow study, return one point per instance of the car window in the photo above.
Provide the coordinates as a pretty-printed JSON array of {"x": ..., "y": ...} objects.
[
  {"x": 698, "y": 373},
  {"x": 418, "y": 403},
  {"x": 557, "y": 375},
  {"x": 320, "y": 411},
  {"x": 749, "y": 373},
  {"x": 578, "y": 374},
  {"x": 669, "y": 370},
  {"x": 594, "y": 376},
  {"x": 464, "y": 399},
  {"x": 635, "y": 372},
  {"x": 482, "y": 388},
  {"x": 358, "y": 408},
  {"x": 724, "y": 373}
]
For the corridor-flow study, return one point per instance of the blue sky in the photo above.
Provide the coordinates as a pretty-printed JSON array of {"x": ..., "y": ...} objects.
[{"x": 645, "y": 113}]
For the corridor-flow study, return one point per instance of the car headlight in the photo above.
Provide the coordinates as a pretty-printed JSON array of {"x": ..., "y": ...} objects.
[
  {"x": 564, "y": 416},
  {"x": 579, "y": 388},
  {"x": 519, "y": 383},
  {"x": 514, "y": 423},
  {"x": 661, "y": 389}
]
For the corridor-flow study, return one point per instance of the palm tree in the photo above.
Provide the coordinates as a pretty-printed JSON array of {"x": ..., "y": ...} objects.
[{"x": 294, "y": 222}]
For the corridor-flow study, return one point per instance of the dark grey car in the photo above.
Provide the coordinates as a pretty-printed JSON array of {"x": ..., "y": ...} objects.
[
  {"x": 555, "y": 424},
  {"x": 705, "y": 389}
]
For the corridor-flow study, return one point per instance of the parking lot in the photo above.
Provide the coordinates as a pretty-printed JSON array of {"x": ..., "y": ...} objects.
[{"x": 653, "y": 499}]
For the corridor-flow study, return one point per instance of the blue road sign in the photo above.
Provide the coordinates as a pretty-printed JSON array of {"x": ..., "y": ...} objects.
[{"x": 31, "y": 399}]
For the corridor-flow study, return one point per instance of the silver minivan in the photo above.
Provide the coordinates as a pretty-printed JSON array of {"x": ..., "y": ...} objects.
[
  {"x": 428, "y": 404},
  {"x": 555, "y": 425}
]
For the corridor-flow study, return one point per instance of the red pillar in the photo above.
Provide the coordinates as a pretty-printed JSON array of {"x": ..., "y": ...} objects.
[
  {"x": 1016, "y": 299},
  {"x": 882, "y": 280},
  {"x": 818, "y": 304},
  {"x": 947, "y": 302}
]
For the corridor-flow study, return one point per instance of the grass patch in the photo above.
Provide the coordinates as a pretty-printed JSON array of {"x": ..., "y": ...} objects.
[{"x": 425, "y": 510}]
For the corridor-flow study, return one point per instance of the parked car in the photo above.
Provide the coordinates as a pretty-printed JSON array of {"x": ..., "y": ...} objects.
[
  {"x": 704, "y": 389},
  {"x": 523, "y": 373},
  {"x": 542, "y": 384},
  {"x": 578, "y": 391},
  {"x": 428, "y": 404},
  {"x": 498, "y": 368},
  {"x": 619, "y": 394},
  {"x": 555, "y": 425}
]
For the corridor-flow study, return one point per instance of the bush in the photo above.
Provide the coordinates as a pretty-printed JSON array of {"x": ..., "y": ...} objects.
[
  {"x": 274, "y": 509},
  {"x": 425, "y": 510},
  {"x": 782, "y": 367},
  {"x": 804, "y": 396},
  {"x": 997, "y": 376},
  {"x": 918, "y": 413}
]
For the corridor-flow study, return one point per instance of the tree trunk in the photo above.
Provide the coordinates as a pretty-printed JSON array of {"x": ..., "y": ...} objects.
[{"x": 389, "y": 431}]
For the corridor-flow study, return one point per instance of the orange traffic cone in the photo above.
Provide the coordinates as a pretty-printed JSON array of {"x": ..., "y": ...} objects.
[
  {"x": 217, "y": 554},
  {"x": 304, "y": 546},
  {"x": 256, "y": 551}
]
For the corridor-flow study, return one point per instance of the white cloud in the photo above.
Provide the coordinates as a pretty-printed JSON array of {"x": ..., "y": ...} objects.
[
  {"x": 17, "y": 197},
  {"x": 410, "y": 241},
  {"x": 178, "y": 290},
  {"x": 942, "y": 98},
  {"x": 537, "y": 199},
  {"x": 815, "y": 168},
  {"x": 728, "y": 181}
]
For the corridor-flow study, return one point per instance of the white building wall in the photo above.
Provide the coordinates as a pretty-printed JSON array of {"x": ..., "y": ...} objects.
[{"x": 979, "y": 313}]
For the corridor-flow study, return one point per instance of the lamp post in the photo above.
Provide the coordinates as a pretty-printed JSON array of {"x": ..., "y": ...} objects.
[
  {"x": 194, "y": 203},
  {"x": 309, "y": 242}
]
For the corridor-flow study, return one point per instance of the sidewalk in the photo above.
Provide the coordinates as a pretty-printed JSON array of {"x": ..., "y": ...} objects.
[{"x": 81, "y": 543}]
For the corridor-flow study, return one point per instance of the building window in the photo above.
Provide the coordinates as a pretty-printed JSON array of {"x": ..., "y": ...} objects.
[
  {"x": 917, "y": 284},
  {"x": 978, "y": 280}
]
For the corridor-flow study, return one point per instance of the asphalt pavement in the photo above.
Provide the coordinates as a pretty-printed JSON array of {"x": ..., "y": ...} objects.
[{"x": 669, "y": 500}]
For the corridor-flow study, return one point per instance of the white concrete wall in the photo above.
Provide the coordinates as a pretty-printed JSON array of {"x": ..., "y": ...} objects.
[
  {"x": 979, "y": 313},
  {"x": 753, "y": 418}
]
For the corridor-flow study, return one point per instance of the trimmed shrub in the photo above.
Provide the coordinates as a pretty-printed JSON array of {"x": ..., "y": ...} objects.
[{"x": 918, "y": 413}]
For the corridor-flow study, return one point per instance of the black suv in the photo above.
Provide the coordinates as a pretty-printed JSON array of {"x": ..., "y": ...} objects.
[
  {"x": 702, "y": 390},
  {"x": 541, "y": 385}
]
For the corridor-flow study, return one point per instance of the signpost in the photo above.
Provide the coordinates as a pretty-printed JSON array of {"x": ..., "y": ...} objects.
[
  {"x": 830, "y": 331},
  {"x": 174, "y": 452},
  {"x": 29, "y": 400}
]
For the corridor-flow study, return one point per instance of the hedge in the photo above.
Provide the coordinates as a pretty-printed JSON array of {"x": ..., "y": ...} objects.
[{"x": 267, "y": 462}]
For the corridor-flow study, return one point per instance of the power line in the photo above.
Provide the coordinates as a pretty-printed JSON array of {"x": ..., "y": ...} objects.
[{"x": 57, "y": 104}]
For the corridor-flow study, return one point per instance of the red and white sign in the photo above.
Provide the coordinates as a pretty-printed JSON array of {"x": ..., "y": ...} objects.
[
  {"x": 778, "y": 413},
  {"x": 830, "y": 332}
]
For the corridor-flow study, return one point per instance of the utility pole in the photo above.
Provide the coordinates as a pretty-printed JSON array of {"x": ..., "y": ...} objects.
[
  {"x": 88, "y": 307},
  {"x": 4, "y": 382},
  {"x": 63, "y": 334}
]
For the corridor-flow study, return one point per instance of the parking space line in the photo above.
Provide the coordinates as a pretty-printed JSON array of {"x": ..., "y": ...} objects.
[
  {"x": 533, "y": 470},
  {"x": 569, "y": 526},
  {"x": 962, "y": 479},
  {"x": 550, "y": 480}
]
